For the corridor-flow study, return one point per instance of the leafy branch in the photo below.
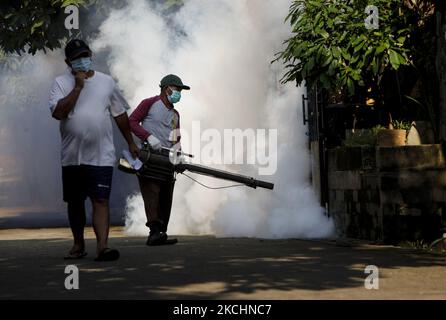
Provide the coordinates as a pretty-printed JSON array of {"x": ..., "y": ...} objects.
[{"x": 332, "y": 47}]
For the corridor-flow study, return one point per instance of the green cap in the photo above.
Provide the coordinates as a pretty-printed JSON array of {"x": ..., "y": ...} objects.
[{"x": 173, "y": 80}]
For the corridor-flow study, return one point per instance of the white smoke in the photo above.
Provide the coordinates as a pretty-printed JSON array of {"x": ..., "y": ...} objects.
[
  {"x": 29, "y": 137},
  {"x": 223, "y": 50}
]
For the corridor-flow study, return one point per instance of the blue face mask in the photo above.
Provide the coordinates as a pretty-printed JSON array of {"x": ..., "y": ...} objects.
[
  {"x": 81, "y": 64},
  {"x": 174, "y": 97}
]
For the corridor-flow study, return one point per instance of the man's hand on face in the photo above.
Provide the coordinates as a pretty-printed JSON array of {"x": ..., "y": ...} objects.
[{"x": 80, "y": 79}]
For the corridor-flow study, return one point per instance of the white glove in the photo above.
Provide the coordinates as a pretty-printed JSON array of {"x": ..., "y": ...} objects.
[
  {"x": 135, "y": 163},
  {"x": 154, "y": 142},
  {"x": 176, "y": 158}
]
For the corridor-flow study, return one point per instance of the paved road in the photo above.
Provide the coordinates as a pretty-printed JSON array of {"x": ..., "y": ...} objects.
[{"x": 203, "y": 267}]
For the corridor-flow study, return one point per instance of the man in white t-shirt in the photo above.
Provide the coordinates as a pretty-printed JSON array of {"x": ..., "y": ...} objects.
[{"x": 84, "y": 100}]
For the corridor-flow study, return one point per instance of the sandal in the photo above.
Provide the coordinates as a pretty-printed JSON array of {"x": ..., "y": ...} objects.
[
  {"x": 108, "y": 255},
  {"x": 75, "y": 255}
]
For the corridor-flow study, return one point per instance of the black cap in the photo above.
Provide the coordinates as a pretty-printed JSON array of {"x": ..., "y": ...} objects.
[
  {"x": 75, "y": 47},
  {"x": 173, "y": 80}
]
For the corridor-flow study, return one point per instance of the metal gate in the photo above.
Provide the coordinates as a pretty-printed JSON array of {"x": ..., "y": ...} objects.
[{"x": 313, "y": 117}]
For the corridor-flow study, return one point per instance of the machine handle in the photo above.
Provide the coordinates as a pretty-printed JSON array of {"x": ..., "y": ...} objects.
[{"x": 180, "y": 153}]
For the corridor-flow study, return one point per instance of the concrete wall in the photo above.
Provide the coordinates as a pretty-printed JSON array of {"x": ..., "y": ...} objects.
[{"x": 389, "y": 193}]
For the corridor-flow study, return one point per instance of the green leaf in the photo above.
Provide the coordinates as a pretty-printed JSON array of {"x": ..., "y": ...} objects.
[
  {"x": 403, "y": 59},
  {"x": 394, "y": 59},
  {"x": 344, "y": 34},
  {"x": 375, "y": 66},
  {"x": 336, "y": 52},
  {"x": 350, "y": 86},
  {"x": 380, "y": 49},
  {"x": 359, "y": 46},
  {"x": 324, "y": 34},
  {"x": 327, "y": 61},
  {"x": 36, "y": 25},
  {"x": 346, "y": 55},
  {"x": 357, "y": 41}
]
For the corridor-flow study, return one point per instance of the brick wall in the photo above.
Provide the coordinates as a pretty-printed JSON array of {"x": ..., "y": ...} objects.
[{"x": 388, "y": 193}]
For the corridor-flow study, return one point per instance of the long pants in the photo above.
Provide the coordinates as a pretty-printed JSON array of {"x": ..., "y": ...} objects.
[{"x": 157, "y": 198}]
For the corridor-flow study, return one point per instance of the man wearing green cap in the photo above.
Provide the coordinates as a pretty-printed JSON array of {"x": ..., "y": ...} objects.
[{"x": 156, "y": 121}]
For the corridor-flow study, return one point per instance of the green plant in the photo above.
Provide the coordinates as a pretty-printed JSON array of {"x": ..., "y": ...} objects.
[
  {"x": 401, "y": 124},
  {"x": 376, "y": 129},
  {"x": 419, "y": 245},
  {"x": 363, "y": 137},
  {"x": 437, "y": 246},
  {"x": 332, "y": 47}
]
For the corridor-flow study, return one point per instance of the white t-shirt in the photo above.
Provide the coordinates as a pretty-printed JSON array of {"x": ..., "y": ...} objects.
[{"x": 87, "y": 133}]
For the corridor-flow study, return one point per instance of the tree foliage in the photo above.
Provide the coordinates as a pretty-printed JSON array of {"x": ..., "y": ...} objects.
[
  {"x": 331, "y": 45},
  {"x": 32, "y": 25}
]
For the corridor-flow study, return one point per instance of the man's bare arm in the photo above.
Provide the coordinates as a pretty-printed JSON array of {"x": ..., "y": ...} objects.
[{"x": 124, "y": 126}]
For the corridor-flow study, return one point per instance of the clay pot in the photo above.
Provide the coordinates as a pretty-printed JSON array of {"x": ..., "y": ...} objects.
[{"x": 391, "y": 137}]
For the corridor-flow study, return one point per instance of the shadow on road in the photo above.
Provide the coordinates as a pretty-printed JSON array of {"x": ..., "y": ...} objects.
[{"x": 195, "y": 268}]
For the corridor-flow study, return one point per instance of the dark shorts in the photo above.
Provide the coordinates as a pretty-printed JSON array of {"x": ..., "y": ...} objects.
[{"x": 80, "y": 182}]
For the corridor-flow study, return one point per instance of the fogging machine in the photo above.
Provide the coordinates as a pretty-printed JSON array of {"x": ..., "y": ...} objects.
[{"x": 163, "y": 164}]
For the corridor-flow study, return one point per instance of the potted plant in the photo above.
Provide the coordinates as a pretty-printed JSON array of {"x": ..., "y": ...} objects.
[{"x": 395, "y": 135}]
